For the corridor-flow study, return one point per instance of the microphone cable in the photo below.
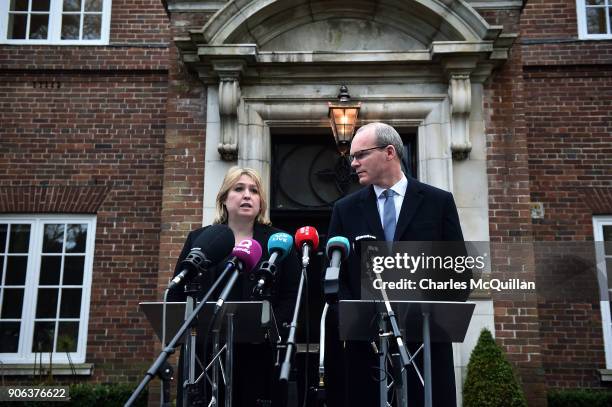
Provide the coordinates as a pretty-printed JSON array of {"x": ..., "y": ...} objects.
[{"x": 307, "y": 317}]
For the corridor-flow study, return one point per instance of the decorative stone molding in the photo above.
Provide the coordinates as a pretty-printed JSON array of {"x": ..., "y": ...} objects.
[
  {"x": 229, "y": 98},
  {"x": 460, "y": 93}
]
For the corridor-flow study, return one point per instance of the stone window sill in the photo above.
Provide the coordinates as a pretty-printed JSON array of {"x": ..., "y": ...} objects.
[
  {"x": 605, "y": 375},
  {"x": 78, "y": 369}
]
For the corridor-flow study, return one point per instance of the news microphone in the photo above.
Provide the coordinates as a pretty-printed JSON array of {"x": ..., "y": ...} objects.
[
  {"x": 211, "y": 246},
  {"x": 245, "y": 256},
  {"x": 337, "y": 250},
  {"x": 306, "y": 239},
  {"x": 279, "y": 246}
]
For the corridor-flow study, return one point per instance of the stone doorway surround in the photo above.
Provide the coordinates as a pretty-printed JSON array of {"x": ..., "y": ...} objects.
[{"x": 417, "y": 64}]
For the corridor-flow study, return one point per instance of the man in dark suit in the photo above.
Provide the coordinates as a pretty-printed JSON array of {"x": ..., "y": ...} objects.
[{"x": 392, "y": 208}]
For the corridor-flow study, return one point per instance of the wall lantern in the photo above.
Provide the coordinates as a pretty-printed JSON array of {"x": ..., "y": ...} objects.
[{"x": 343, "y": 119}]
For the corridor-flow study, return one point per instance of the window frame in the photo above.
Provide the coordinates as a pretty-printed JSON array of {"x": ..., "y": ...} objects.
[
  {"x": 582, "y": 22},
  {"x": 602, "y": 275},
  {"x": 24, "y": 354},
  {"x": 55, "y": 26}
]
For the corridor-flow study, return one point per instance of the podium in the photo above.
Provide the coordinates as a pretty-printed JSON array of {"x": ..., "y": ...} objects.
[
  {"x": 420, "y": 321},
  {"x": 237, "y": 322}
]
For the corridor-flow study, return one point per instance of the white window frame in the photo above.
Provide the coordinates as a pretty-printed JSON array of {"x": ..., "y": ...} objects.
[
  {"x": 582, "y": 22},
  {"x": 24, "y": 353},
  {"x": 602, "y": 277},
  {"x": 55, "y": 26}
]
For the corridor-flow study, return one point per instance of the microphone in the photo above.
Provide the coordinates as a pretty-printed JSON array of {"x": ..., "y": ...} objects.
[
  {"x": 212, "y": 246},
  {"x": 337, "y": 250},
  {"x": 245, "y": 256},
  {"x": 279, "y": 246},
  {"x": 306, "y": 239}
]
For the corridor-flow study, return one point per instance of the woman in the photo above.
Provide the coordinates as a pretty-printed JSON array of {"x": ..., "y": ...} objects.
[{"x": 241, "y": 205}]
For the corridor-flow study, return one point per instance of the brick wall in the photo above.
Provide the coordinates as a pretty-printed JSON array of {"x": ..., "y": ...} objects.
[
  {"x": 568, "y": 119},
  {"x": 88, "y": 124}
]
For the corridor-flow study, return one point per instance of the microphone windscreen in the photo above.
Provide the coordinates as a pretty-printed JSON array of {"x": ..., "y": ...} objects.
[
  {"x": 338, "y": 243},
  {"x": 308, "y": 235},
  {"x": 359, "y": 240},
  {"x": 281, "y": 242},
  {"x": 248, "y": 252},
  {"x": 216, "y": 242}
]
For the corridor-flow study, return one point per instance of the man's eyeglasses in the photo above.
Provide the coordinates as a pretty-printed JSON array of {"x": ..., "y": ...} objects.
[{"x": 361, "y": 154}]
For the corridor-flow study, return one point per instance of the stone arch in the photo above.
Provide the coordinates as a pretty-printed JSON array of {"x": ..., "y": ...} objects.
[{"x": 260, "y": 21}]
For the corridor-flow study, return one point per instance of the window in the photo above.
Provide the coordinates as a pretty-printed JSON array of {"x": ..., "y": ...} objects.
[
  {"x": 45, "y": 279},
  {"x": 55, "y": 21},
  {"x": 602, "y": 226},
  {"x": 594, "y": 18}
]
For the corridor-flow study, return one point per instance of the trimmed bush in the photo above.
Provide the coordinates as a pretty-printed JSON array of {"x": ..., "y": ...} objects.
[
  {"x": 579, "y": 398},
  {"x": 491, "y": 381}
]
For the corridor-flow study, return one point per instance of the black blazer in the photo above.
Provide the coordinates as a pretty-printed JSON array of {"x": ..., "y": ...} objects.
[{"x": 427, "y": 214}]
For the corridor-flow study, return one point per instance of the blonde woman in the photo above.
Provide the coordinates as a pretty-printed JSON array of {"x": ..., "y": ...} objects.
[{"x": 241, "y": 205}]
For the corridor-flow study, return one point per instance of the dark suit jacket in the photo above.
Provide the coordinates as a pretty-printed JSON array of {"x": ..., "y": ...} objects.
[{"x": 427, "y": 214}]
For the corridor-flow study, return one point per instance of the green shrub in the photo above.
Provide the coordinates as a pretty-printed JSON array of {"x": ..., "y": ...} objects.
[
  {"x": 579, "y": 398},
  {"x": 91, "y": 395},
  {"x": 491, "y": 381}
]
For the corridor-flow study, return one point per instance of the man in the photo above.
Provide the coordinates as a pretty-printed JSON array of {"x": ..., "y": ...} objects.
[{"x": 393, "y": 208}]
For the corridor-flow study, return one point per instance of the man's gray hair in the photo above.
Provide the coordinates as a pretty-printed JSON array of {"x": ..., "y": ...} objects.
[{"x": 385, "y": 135}]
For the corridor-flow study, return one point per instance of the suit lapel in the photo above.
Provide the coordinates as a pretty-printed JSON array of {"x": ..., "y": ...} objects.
[
  {"x": 370, "y": 211},
  {"x": 412, "y": 201}
]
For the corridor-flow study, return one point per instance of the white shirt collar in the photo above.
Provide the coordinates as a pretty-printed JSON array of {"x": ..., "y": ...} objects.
[{"x": 399, "y": 188}]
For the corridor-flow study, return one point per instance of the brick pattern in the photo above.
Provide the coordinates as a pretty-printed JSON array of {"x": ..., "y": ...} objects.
[
  {"x": 183, "y": 183},
  {"x": 79, "y": 132},
  {"x": 52, "y": 199},
  {"x": 567, "y": 93}
]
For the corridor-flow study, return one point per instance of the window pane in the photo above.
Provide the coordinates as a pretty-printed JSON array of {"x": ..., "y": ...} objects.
[
  {"x": 67, "y": 336},
  {"x": 46, "y": 306},
  {"x": 17, "y": 26},
  {"x": 19, "y": 240},
  {"x": 40, "y": 5},
  {"x": 72, "y": 5},
  {"x": 596, "y": 20},
  {"x": 71, "y": 303},
  {"x": 39, "y": 24},
  {"x": 19, "y": 5},
  {"x": 50, "y": 267},
  {"x": 70, "y": 26},
  {"x": 77, "y": 234},
  {"x": 9, "y": 337},
  {"x": 3, "y": 231},
  {"x": 595, "y": 2},
  {"x": 93, "y": 5},
  {"x": 12, "y": 303},
  {"x": 73, "y": 270},
  {"x": 43, "y": 336},
  {"x": 91, "y": 26},
  {"x": 16, "y": 267},
  {"x": 53, "y": 238},
  {"x": 1, "y": 268}
]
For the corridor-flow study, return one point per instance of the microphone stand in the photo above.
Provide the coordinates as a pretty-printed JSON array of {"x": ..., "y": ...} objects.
[
  {"x": 285, "y": 367},
  {"x": 171, "y": 347}
]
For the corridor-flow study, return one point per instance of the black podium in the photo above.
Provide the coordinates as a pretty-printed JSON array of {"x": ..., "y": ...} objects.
[
  {"x": 237, "y": 322},
  {"x": 420, "y": 321}
]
